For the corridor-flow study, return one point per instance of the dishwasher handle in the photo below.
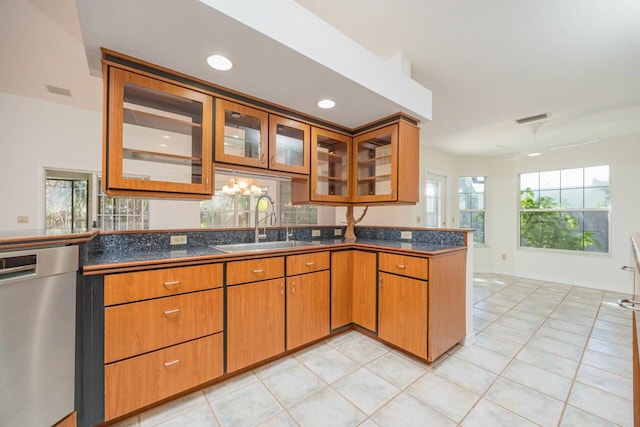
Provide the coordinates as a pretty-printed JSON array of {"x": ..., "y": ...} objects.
[{"x": 16, "y": 266}]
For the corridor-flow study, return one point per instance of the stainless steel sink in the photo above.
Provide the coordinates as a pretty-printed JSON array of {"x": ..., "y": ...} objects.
[{"x": 262, "y": 246}]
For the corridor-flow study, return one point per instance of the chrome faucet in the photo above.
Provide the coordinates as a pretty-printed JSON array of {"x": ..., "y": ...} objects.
[
  {"x": 271, "y": 217},
  {"x": 284, "y": 219}
]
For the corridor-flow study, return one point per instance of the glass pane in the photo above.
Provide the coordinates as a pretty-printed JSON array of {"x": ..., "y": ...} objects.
[
  {"x": 161, "y": 136},
  {"x": 374, "y": 166},
  {"x": 549, "y": 199},
  {"x": 597, "y": 176},
  {"x": 463, "y": 201},
  {"x": 530, "y": 180},
  {"x": 549, "y": 180},
  {"x": 289, "y": 145},
  {"x": 596, "y": 197},
  {"x": 529, "y": 199},
  {"x": 332, "y": 167},
  {"x": 572, "y": 178},
  {"x": 572, "y": 198},
  {"x": 241, "y": 134},
  {"x": 58, "y": 204}
]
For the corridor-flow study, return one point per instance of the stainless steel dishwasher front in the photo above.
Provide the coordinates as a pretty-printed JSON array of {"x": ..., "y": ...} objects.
[{"x": 37, "y": 335}]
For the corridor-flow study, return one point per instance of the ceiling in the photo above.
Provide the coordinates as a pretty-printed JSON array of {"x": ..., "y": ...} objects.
[{"x": 486, "y": 62}]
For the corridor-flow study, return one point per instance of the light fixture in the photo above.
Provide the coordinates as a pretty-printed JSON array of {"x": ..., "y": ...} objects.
[
  {"x": 241, "y": 187},
  {"x": 534, "y": 154},
  {"x": 219, "y": 62},
  {"x": 326, "y": 103}
]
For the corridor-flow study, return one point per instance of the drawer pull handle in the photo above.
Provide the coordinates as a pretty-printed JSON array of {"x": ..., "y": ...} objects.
[
  {"x": 173, "y": 282},
  {"x": 309, "y": 263},
  {"x": 401, "y": 266},
  {"x": 293, "y": 287},
  {"x": 281, "y": 288},
  {"x": 175, "y": 310},
  {"x": 173, "y": 362},
  {"x": 261, "y": 270},
  {"x": 380, "y": 283},
  {"x": 629, "y": 304}
]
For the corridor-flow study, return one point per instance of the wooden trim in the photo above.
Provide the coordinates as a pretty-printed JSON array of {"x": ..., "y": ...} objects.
[
  {"x": 384, "y": 121},
  {"x": 70, "y": 420},
  {"x": 392, "y": 131},
  {"x": 408, "y": 164}
]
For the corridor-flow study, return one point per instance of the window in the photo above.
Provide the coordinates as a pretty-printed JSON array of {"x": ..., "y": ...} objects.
[
  {"x": 434, "y": 200},
  {"x": 66, "y": 208},
  {"x": 566, "y": 209},
  {"x": 121, "y": 213},
  {"x": 471, "y": 205},
  {"x": 237, "y": 210}
]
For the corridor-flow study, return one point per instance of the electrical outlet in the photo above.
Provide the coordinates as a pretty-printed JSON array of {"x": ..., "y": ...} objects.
[
  {"x": 406, "y": 235},
  {"x": 23, "y": 219},
  {"x": 504, "y": 257},
  {"x": 337, "y": 232},
  {"x": 315, "y": 233},
  {"x": 178, "y": 240}
]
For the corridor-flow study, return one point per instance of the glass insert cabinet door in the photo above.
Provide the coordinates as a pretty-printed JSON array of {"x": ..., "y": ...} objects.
[
  {"x": 288, "y": 145},
  {"x": 241, "y": 134},
  {"x": 375, "y": 156},
  {"x": 330, "y": 166},
  {"x": 158, "y": 137}
]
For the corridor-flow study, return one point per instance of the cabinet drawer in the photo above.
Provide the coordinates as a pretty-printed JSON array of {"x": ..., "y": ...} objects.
[
  {"x": 134, "y": 383},
  {"x": 404, "y": 265},
  {"x": 139, "y": 327},
  {"x": 141, "y": 285},
  {"x": 254, "y": 269},
  {"x": 307, "y": 263}
]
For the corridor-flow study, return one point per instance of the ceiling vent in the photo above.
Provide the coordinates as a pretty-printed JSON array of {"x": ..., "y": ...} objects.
[
  {"x": 531, "y": 119},
  {"x": 58, "y": 90}
]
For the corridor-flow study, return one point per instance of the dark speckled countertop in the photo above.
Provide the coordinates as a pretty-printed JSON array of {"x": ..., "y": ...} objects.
[{"x": 102, "y": 261}]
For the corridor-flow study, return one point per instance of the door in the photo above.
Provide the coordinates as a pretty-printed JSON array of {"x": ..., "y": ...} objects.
[
  {"x": 375, "y": 173},
  {"x": 364, "y": 289},
  {"x": 255, "y": 322},
  {"x": 307, "y": 308},
  {"x": 402, "y": 313},
  {"x": 435, "y": 200},
  {"x": 288, "y": 145},
  {"x": 241, "y": 134}
]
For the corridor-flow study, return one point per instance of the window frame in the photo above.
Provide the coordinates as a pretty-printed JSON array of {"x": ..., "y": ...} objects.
[{"x": 482, "y": 243}]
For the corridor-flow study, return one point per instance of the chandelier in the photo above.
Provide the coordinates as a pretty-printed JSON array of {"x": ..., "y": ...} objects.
[{"x": 242, "y": 187}]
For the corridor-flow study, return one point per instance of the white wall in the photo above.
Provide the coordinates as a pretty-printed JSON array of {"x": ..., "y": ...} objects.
[{"x": 502, "y": 198}]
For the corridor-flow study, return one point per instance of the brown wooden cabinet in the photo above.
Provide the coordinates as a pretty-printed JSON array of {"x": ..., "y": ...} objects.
[
  {"x": 157, "y": 137},
  {"x": 353, "y": 289},
  {"x": 247, "y": 136},
  {"x": 386, "y": 164},
  {"x": 421, "y": 302},
  {"x": 162, "y": 334},
  {"x": 307, "y": 308}
]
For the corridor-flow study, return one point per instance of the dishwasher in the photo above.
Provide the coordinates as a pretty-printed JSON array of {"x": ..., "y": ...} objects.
[{"x": 37, "y": 335}]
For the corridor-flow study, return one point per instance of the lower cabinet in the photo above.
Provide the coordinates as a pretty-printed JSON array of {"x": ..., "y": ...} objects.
[
  {"x": 402, "y": 313},
  {"x": 134, "y": 383},
  {"x": 353, "y": 289},
  {"x": 307, "y": 308},
  {"x": 255, "y": 322}
]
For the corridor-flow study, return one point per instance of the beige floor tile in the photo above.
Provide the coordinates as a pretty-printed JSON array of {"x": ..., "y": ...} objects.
[
  {"x": 486, "y": 359},
  {"x": 331, "y": 365},
  {"x": 311, "y": 352},
  {"x": 465, "y": 374},
  {"x": 491, "y": 307},
  {"x": 444, "y": 396},
  {"x": 615, "y": 350},
  {"x": 564, "y": 336},
  {"x": 396, "y": 369},
  {"x": 563, "y": 325},
  {"x": 556, "y": 347},
  {"x": 518, "y": 324},
  {"x": 230, "y": 385},
  {"x": 611, "y": 318},
  {"x": 498, "y": 345},
  {"x": 574, "y": 417},
  {"x": 362, "y": 349},
  {"x": 528, "y": 403},
  {"x": 342, "y": 338},
  {"x": 283, "y": 419},
  {"x": 507, "y": 333},
  {"x": 487, "y": 413},
  {"x": 483, "y": 314},
  {"x": 171, "y": 409},
  {"x": 293, "y": 385},
  {"x": 275, "y": 367},
  {"x": 568, "y": 317},
  {"x": 603, "y": 404},
  {"x": 326, "y": 408},
  {"x": 622, "y": 339},
  {"x": 367, "y": 391},
  {"x": 407, "y": 411},
  {"x": 250, "y": 405},
  {"x": 550, "y": 362},
  {"x": 201, "y": 416},
  {"x": 538, "y": 379},
  {"x": 606, "y": 381},
  {"x": 622, "y": 367}
]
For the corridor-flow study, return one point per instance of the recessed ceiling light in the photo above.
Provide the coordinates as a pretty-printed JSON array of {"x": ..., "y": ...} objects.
[
  {"x": 219, "y": 62},
  {"x": 326, "y": 103},
  {"x": 534, "y": 154}
]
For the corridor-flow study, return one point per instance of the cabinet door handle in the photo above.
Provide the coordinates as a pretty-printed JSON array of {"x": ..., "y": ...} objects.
[
  {"x": 293, "y": 287},
  {"x": 627, "y": 268},
  {"x": 262, "y": 158},
  {"x": 281, "y": 288},
  {"x": 380, "y": 280},
  {"x": 173, "y": 362},
  {"x": 309, "y": 263},
  {"x": 629, "y": 304},
  {"x": 206, "y": 183},
  {"x": 175, "y": 310},
  {"x": 173, "y": 282},
  {"x": 401, "y": 266},
  {"x": 273, "y": 160},
  {"x": 258, "y": 271}
]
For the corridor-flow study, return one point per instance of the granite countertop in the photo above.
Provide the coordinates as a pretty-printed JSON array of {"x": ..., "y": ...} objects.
[{"x": 101, "y": 261}]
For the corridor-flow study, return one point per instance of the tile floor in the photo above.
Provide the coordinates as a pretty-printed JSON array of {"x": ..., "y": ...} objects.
[{"x": 545, "y": 354}]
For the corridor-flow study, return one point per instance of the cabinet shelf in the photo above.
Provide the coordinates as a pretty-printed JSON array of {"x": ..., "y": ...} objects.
[
  {"x": 153, "y": 156},
  {"x": 376, "y": 178},
  {"x": 155, "y": 121},
  {"x": 330, "y": 155},
  {"x": 373, "y": 160},
  {"x": 331, "y": 178}
]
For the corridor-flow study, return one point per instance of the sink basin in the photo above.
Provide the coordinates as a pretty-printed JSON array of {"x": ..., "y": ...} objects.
[{"x": 262, "y": 246}]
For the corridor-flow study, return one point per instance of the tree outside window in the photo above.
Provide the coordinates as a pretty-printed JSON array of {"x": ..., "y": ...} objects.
[{"x": 471, "y": 205}]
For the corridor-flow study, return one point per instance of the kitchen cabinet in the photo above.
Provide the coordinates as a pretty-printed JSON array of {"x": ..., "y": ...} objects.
[
  {"x": 162, "y": 334},
  {"x": 353, "y": 289},
  {"x": 421, "y": 302},
  {"x": 255, "y": 311},
  {"x": 157, "y": 137},
  {"x": 247, "y": 136},
  {"x": 330, "y": 167},
  {"x": 307, "y": 298},
  {"x": 386, "y": 164}
]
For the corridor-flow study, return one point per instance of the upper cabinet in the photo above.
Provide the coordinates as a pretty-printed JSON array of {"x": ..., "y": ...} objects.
[
  {"x": 330, "y": 166},
  {"x": 386, "y": 164},
  {"x": 250, "y": 137},
  {"x": 157, "y": 139}
]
